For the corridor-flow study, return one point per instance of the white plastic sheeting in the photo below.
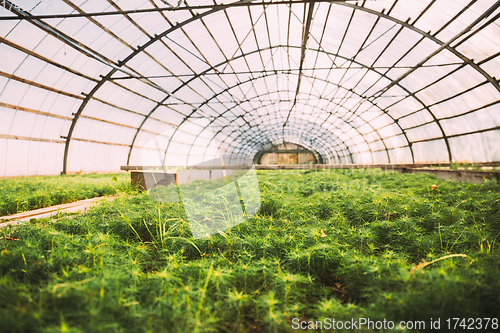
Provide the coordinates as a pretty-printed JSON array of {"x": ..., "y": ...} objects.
[{"x": 357, "y": 81}]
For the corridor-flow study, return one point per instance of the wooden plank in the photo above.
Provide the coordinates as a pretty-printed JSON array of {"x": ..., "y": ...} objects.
[
  {"x": 44, "y": 59},
  {"x": 20, "y": 108},
  {"x": 49, "y": 211},
  {"x": 476, "y": 177},
  {"x": 302, "y": 166},
  {"x": 99, "y": 142},
  {"x": 39, "y": 85},
  {"x": 18, "y": 137}
]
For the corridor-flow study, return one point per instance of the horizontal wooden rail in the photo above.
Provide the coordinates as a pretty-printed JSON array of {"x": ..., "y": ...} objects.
[
  {"x": 306, "y": 166},
  {"x": 477, "y": 177}
]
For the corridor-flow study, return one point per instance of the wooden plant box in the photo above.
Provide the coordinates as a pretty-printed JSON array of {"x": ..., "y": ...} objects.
[{"x": 147, "y": 179}]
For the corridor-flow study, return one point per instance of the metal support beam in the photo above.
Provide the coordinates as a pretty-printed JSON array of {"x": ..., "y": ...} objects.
[{"x": 305, "y": 36}]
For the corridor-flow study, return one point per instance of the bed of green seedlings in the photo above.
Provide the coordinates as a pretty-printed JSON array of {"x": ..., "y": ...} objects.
[
  {"x": 27, "y": 193},
  {"x": 324, "y": 244},
  {"x": 465, "y": 167}
]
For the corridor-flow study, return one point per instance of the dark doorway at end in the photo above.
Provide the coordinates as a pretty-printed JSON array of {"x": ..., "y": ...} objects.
[{"x": 287, "y": 153}]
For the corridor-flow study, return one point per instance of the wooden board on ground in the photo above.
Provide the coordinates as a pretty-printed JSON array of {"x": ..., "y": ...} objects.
[{"x": 49, "y": 211}]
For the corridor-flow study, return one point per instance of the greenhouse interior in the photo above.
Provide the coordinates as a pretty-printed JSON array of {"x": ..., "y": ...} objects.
[{"x": 249, "y": 166}]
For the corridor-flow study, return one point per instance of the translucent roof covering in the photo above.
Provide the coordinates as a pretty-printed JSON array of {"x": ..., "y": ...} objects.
[{"x": 92, "y": 85}]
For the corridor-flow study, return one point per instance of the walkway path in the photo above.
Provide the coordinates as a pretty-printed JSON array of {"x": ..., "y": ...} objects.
[{"x": 49, "y": 211}]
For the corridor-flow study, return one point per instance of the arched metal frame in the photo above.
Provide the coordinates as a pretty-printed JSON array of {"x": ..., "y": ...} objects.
[{"x": 244, "y": 139}]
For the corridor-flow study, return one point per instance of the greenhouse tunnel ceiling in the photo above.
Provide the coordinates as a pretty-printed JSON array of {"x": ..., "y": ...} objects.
[{"x": 97, "y": 84}]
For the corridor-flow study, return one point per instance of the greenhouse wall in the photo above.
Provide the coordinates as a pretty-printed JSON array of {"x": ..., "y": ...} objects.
[{"x": 86, "y": 86}]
